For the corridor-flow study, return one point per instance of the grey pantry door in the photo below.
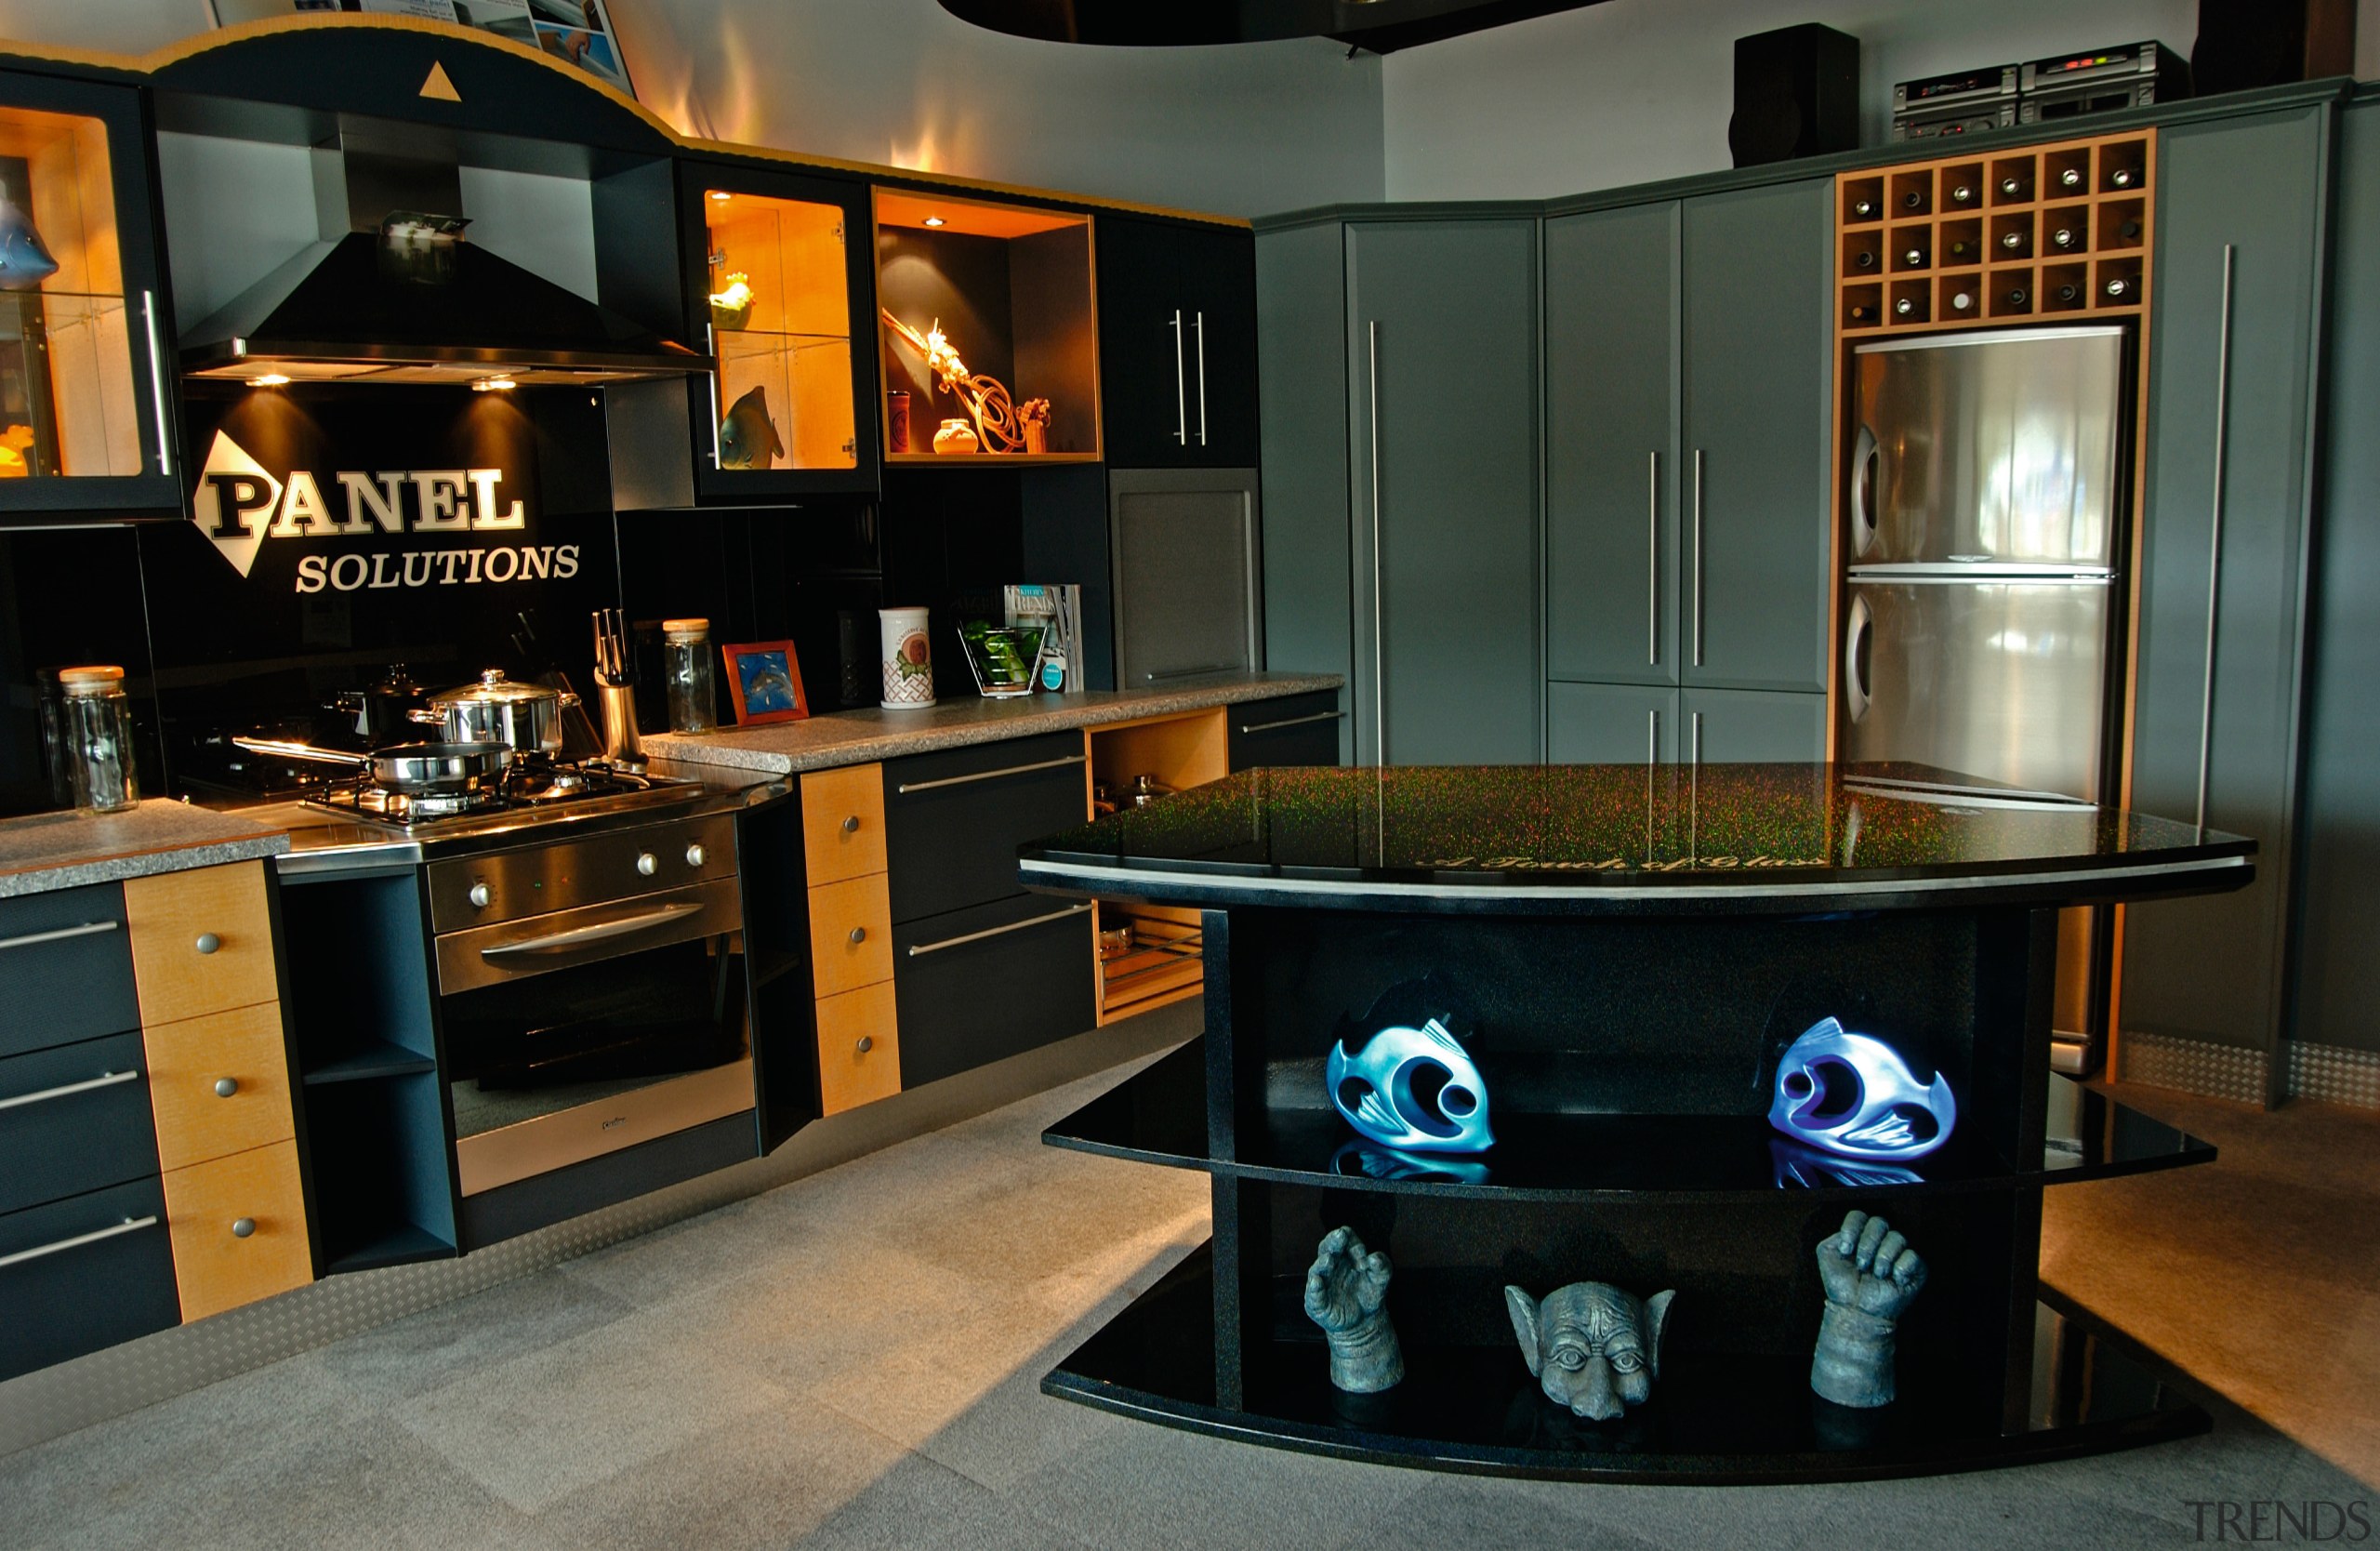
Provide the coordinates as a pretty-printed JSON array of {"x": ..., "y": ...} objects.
[{"x": 1442, "y": 335}]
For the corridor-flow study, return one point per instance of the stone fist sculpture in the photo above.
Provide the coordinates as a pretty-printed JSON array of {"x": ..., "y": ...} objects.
[
  {"x": 1344, "y": 1289},
  {"x": 1872, "y": 1276},
  {"x": 1591, "y": 1346}
]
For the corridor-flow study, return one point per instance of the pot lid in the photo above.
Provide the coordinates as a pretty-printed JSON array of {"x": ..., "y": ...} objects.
[{"x": 493, "y": 689}]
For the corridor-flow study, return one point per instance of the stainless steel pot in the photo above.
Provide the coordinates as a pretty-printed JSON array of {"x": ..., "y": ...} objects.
[
  {"x": 527, "y": 717},
  {"x": 408, "y": 769}
]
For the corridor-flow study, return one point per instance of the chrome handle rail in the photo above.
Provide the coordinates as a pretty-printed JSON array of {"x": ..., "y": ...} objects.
[
  {"x": 59, "y": 935},
  {"x": 1698, "y": 557},
  {"x": 105, "y": 1080},
  {"x": 988, "y": 775},
  {"x": 919, "y": 950},
  {"x": 1380, "y": 656},
  {"x": 710, "y": 338},
  {"x": 1157, "y": 678},
  {"x": 1181, "y": 396},
  {"x": 1201, "y": 325},
  {"x": 579, "y": 936},
  {"x": 130, "y": 1224},
  {"x": 1653, "y": 558},
  {"x": 1291, "y": 721},
  {"x": 2214, "y": 538},
  {"x": 1694, "y": 795},
  {"x": 157, "y": 384}
]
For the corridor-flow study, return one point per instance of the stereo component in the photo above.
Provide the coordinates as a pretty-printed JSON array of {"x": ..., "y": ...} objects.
[
  {"x": 2101, "y": 81},
  {"x": 1959, "y": 103}
]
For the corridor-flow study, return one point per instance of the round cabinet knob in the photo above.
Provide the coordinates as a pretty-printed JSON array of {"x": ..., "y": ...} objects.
[
  {"x": 866, "y": 1043},
  {"x": 851, "y": 824},
  {"x": 207, "y": 942},
  {"x": 859, "y": 935},
  {"x": 696, "y": 854},
  {"x": 226, "y": 1086},
  {"x": 481, "y": 896},
  {"x": 246, "y": 1228},
  {"x": 647, "y": 864}
]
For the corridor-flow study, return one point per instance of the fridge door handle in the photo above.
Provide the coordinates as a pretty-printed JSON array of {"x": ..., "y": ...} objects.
[
  {"x": 1867, "y": 482},
  {"x": 1856, "y": 656},
  {"x": 2215, "y": 535}
]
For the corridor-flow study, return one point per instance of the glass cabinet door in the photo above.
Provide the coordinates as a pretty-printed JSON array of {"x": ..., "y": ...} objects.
[
  {"x": 777, "y": 292},
  {"x": 82, "y": 328}
]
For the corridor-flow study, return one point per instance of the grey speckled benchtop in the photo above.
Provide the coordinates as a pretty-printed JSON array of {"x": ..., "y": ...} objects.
[
  {"x": 43, "y": 851},
  {"x": 860, "y": 737}
]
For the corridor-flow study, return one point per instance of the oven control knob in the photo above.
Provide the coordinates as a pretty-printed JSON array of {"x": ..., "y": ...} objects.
[
  {"x": 696, "y": 854},
  {"x": 647, "y": 864},
  {"x": 480, "y": 896}
]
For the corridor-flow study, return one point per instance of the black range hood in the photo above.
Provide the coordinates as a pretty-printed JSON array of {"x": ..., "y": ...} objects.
[
  {"x": 394, "y": 292},
  {"x": 1376, "y": 26}
]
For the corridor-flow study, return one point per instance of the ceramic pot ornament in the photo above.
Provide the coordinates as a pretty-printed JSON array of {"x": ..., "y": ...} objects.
[
  {"x": 1345, "y": 1291},
  {"x": 1592, "y": 1347},
  {"x": 1872, "y": 1276},
  {"x": 1852, "y": 1095}
]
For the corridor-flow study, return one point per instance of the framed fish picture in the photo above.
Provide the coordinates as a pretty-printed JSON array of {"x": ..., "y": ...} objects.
[{"x": 765, "y": 681}]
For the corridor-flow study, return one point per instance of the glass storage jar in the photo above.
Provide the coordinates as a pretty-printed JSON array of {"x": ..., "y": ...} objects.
[
  {"x": 686, "y": 667},
  {"x": 96, "y": 720}
]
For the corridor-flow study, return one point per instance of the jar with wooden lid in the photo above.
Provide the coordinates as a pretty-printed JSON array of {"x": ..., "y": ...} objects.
[
  {"x": 96, "y": 722},
  {"x": 686, "y": 667}
]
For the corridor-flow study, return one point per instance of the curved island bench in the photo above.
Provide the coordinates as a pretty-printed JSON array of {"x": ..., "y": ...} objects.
[{"x": 1627, "y": 953}]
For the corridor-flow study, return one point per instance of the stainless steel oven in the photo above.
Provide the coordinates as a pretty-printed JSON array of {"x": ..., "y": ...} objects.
[{"x": 591, "y": 995}]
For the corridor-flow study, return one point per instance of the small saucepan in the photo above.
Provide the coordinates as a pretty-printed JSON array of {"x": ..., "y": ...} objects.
[
  {"x": 408, "y": 769},
  {"x": 526, "y": 717}
]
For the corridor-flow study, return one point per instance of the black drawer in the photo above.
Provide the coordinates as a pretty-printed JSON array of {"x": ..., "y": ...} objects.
[
  {"x": 1296, "y": 729},
  {"x": 65, "y": 969},
  {"x": 80, "y": 1137},
  {"x": 977, "y": 984},
  {"x": 953, "y": 820},
  {"x": 65, "y": 1298}
]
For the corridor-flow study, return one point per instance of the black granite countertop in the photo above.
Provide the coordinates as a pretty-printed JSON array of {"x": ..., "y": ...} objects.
[{"x": 1630, "y": 838}]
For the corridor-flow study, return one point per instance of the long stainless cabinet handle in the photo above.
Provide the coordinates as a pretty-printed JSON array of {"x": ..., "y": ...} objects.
[
  {"x": 1291, "y": 721},
  {"x": 130, "y": 1224},
  {"x": 89, "y": 928},
  {"x": 918, "y": 948},
  {"x": 579, "y": 936},
  {"x": 710, "y": 337},
  {"x": 157, "y": 384},
  {"x": 1698, "y": 557},
  {"x": 1380, "y": 689},
  {"x": 105, "y": 1080},
  {"x": 1653, "y": 558},
  {"x": 1201, "y": 326},
  {"x": 1180, "y": 395},
  {"x": 988, "y": 775},
  {"x": 2215, "y": 540}
]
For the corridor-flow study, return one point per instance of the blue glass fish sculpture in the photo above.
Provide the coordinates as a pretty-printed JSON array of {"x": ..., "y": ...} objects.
[
  {"x": 747, "y": 438},
  {"x": 1416, "y": 1090},
  {"x": 25, "y": 261},
  {"x": 1851, "y": 1094}
]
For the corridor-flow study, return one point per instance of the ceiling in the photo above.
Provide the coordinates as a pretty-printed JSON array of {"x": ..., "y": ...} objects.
[{"x": 1378, "y": 26}]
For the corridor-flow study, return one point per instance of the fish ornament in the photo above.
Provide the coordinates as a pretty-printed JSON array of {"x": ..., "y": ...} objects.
[
  {"x": 25, "y": 260},
  {"x": 1851, "y": 1094},
  {"x": 1416, "y": 1090},
  {"x": 747, "y": 438}
]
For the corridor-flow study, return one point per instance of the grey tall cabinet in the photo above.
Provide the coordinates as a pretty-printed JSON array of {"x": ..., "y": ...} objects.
[
  {"x": 1688, "y": 385},
  {"x": 2219, "y": 670},
  {"x": 1398, "y": 384}
]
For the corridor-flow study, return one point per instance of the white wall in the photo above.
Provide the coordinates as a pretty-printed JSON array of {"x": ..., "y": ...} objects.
[
  {"x": 1633, "y": 90},
  {"x": 1239, "y": 131}
]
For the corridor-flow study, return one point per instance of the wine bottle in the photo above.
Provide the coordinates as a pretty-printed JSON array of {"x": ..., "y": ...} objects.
[
  {"x": 1963, "y": 195},
  {"x": 2064, "y": 237},
  {"x": 2124, "y": 178},
  {"x": 1863, "y": 210},
  {"x": 2011, "y": 187},
  {"x": 2119, "y": 287},
  {"x": 2012, "y": 240},
  {"x": 1914, "y": 259},
  {"x": 1905, "y": 308},
  {"x": 2129, "y": 231},
  {"x": 2071, "y": 178},
  {"x": 1865, "y": 259},
  {"x": 2069, "y": 293},
  {"x": 1914, "y": 199},
  {"x": 1861, "y": 312},
  {"x": 1961, "y": 301},
  {"x": 1961, "y": 251},
  {"x": 2019, "y": 296}
]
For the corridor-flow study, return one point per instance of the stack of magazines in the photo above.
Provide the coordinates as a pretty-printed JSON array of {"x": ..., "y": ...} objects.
[{"x": 1057, "y": 608}]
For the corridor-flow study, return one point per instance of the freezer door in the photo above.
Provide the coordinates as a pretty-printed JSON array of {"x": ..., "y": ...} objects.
[
  {"x": 2001, "y": 448},
  {"x": 2004, "y": 680}
]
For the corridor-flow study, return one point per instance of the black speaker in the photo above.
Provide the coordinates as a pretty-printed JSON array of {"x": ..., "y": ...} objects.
[
  {"x": 2264, "y": 43},
  {"x": 1797, "y": 94}
]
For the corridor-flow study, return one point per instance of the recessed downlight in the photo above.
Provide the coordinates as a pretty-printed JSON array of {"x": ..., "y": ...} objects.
[
  {"x": 935, "y": 221},
  {"x": 720, "y": 196},
  {"x": 494, "y": 385},
  {"x": 270, "y": 379}
]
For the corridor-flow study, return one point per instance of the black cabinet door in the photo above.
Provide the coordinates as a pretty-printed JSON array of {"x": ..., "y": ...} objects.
[
  {"x": 74, "y": 1119},
  {"x": 1217, "y": 266},
  {"x": 88, "y": 358},
  {"x": 1755, "y": 462},
  {"x": 2239, "y": 209},
  {"x": 100, "y": 1272},
  {"x": 65, "y": 968},
  {"x": 1177, "y": 344},
  {"x": 990, "y": 981},
  {"x": 1294, "y": 730},
  {"x": 953, "y": 820}
]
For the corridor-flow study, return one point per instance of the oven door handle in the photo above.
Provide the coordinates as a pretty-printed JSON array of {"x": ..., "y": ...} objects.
[{"x": 580, "y": 936}]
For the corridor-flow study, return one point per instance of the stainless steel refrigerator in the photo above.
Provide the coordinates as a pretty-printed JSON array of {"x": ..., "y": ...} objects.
[{"x": 1988, "y": 490}]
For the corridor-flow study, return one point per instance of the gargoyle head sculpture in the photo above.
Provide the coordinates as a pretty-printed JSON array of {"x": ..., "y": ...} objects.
[{"x": 1594, "y": 1347}]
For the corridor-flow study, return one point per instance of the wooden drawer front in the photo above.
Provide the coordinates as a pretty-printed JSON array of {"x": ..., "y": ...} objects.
[
  {"x": 79, "y": 1137},
  {"x": 837, "y": 912},
  {"x": 65, "y": 969},
  {"x": 991, "y": 982},
  {"x": 214, "y": 1266},
  {"x": 951, "y": 836},
  {"x": 201, "y": 941},
  {"x": 1295, "y": 730},
  {"x": 842, "y": 823},
  {"x": 859, "y": 1048},
  {"x": 66, "y": 1298},
  {"x": 190, "y": 1059}
]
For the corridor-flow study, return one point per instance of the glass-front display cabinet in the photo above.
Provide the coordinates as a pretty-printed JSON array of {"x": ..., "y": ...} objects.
[
  {"x": 778, "y": 282},
  {"x": 84, "y": 388}
]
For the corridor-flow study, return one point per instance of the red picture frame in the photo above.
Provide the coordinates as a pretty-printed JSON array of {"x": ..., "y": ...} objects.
[{"x": 765, "y": 673}]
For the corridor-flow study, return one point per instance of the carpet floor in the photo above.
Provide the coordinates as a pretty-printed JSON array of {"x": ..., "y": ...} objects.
[{"x": 852, "y": 1360}]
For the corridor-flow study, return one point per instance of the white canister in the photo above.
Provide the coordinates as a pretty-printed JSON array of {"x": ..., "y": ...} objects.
[{"x": 908, "y": 661}]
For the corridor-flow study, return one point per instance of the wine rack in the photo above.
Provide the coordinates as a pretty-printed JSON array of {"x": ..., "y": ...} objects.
[{"x": 2059, "y": 231}]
